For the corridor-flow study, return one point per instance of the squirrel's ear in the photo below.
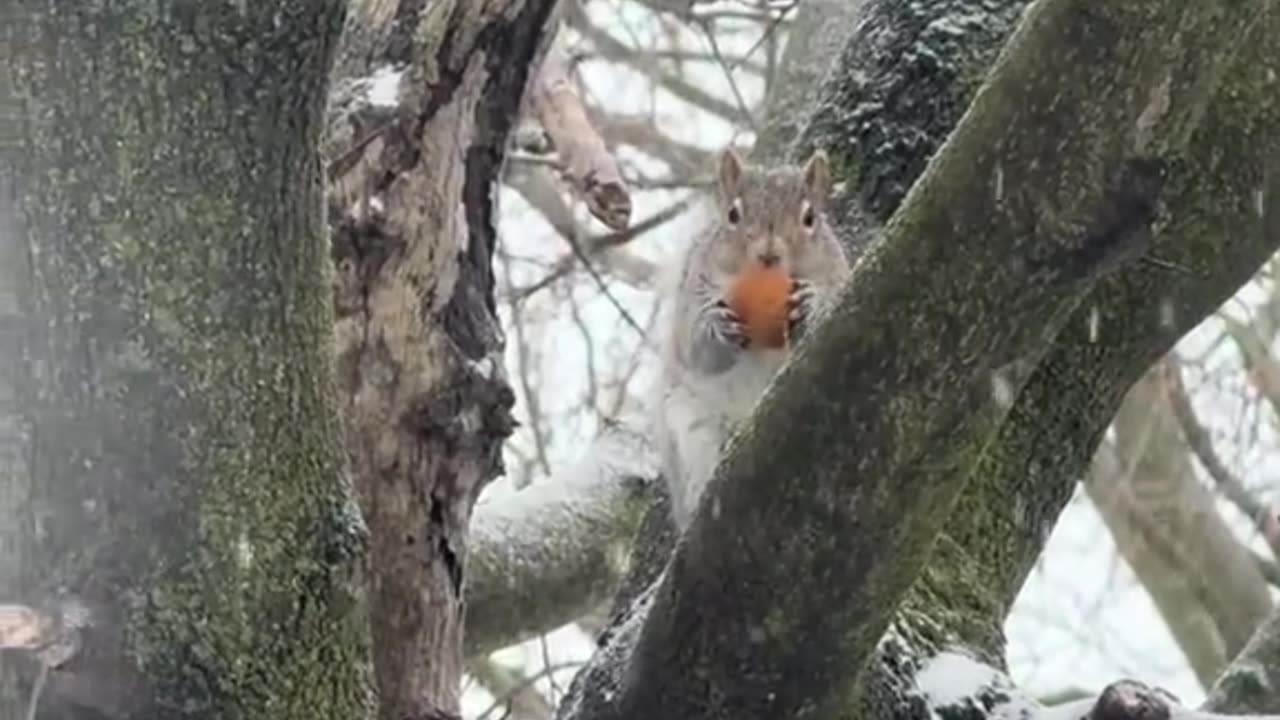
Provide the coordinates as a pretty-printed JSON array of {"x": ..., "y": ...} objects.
[
  {"x": 730, "y": 173},
  {"x": 817, "y": 175}
]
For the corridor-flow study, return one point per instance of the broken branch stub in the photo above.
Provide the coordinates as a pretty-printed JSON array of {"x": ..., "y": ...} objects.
[{"x": 585, "y": 160}]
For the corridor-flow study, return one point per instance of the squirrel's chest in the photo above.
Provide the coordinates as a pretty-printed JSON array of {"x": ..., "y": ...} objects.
[{"x": 737, "y": 390}]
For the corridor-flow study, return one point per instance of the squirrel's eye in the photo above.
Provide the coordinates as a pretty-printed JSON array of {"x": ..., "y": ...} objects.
[
  {"x": 735, "y": 214},
  {"x": 808, "y": 217}
]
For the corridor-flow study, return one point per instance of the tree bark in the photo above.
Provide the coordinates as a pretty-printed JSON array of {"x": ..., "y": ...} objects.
[
  {"x": 167, "y": 343},
  {"x": 418, "y": 341}
]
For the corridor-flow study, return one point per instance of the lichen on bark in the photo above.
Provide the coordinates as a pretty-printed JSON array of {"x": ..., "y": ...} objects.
[{"x": 189, "y": 482}]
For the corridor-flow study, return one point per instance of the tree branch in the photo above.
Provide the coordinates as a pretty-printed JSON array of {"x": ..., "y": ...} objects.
[
  {"x": 681, "y": 88},
  {"x": 417, "y": 338},
  {"x": 805, "y": 649},
  {"x": 1214, "y": 229},
  {"x": 587, "y": 165},
  {"x": 543, "y": 556}
]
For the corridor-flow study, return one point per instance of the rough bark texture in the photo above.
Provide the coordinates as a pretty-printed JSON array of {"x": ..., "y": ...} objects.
[
  {"x": 980, "y": 269},
  {"x": 419, "y": 345},
  {"x": 170, "y": 355},
  {"x": 906, "y": 75}
]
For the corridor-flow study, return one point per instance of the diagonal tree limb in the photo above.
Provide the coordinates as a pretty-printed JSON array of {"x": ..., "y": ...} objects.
[
  {"x": 1199, "y": 576},
  {"x": 814, "y": 532},
  {"x": 1214, "y": 228}
]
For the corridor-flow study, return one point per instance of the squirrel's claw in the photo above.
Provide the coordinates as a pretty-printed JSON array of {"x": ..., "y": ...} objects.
[
  {"x": 799, "y": 306},
  {"x": 727, "y": 326}
]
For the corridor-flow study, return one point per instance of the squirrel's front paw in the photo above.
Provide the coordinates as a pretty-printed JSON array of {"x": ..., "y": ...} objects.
[
  {"x": 800, "y": 305},
  {"x": 726, "y": 326},
  {"x": 719, "y": 340}
]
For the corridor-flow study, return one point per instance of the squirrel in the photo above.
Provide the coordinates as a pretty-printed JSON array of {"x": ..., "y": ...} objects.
[{"x": 737, "y": 300}]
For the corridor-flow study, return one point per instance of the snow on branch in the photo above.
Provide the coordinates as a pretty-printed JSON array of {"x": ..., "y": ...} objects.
[
  {"x": 953, "y": 685},
  {"x": 542, "y": 556}
]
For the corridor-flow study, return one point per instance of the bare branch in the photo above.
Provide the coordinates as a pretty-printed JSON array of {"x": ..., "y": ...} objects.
[
  {"x": 1263, "y": 369},
  {"x": 53, "y": 636},
  {"x": 589, "y": 168},
  {"x": 1202, "y": 445},
  {"x": 596, "y": 247},
  {"x": 619, "y": 51}
]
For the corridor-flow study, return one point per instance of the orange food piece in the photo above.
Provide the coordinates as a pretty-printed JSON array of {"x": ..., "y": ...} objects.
[{"x": 759, "y": 296}]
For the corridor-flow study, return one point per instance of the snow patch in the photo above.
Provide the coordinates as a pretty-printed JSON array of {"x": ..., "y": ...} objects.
[
  {"x": 951, "y": 681},
  {"x": 384, "y": 88},
  {"x": 950, "y": 678}
]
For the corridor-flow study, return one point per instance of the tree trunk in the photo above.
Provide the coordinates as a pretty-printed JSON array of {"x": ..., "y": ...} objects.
[
  {"x": 419, "y": 345},
  {"x": 167, "y": 366}
]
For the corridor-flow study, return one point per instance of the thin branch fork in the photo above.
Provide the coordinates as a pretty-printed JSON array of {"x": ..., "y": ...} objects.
[{"x": 585, "y": 160}]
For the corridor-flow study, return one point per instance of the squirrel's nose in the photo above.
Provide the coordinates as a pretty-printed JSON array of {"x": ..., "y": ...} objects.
[{"x": 769, "y": 259}]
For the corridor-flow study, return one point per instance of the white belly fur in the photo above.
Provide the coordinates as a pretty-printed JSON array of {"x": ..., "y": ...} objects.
[{"x": 699, "y": 417}]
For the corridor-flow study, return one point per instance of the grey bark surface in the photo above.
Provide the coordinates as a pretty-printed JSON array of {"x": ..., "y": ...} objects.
[
  {"x": 184, "y": 480},
  {"x": 419, "y": 346},
  {"x": 906, "y": 74}
]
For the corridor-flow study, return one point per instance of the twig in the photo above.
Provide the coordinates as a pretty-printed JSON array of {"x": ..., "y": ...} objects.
[
  {"x": 1201, "y": 445},
  {"x": 505, "y": 700},
  {"x": 526, "y": 384},
  {"x": 601, "y": 243},
  {"x": 708, "y": 29},
  {"x": 611, "y": 47},
  {"x": 37, "y": 688}
]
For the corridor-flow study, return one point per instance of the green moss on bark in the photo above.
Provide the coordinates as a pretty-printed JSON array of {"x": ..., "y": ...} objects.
[{"x": 190, "y": 474}]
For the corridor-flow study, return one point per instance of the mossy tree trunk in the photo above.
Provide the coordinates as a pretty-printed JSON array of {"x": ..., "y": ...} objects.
[{"x": 167, "y": 362}]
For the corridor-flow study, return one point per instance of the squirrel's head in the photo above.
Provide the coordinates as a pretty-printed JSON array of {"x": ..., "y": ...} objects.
[{"x": 771, "y": 216}]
